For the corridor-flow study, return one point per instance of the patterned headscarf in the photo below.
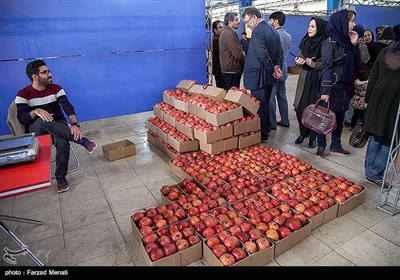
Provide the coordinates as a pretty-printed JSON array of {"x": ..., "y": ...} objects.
[{"x": 385, "y": 34}]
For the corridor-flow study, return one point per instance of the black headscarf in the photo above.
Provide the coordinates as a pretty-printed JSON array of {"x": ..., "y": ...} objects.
[
  {"x": 311, "y": 46},
  {"x": 338, "y": 30},
  {"x": 385, "y": 34}
]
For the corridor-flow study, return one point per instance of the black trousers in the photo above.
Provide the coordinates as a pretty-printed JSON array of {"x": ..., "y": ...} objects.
[
  {"x": 231, "y": 80},
  {"x": 219, "y": 81},
  {"x": 304, "y": 131}
]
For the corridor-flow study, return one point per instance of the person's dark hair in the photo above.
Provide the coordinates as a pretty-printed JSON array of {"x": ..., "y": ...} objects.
[
  {"x": 372, "y": 33},
  {"x": 251, "y": 11},
  {"x": 229, "y": 17},
  {"x": 363, "y": 73},
  {"x": 280, "y": 16},
  {"x": 33, "y": 68},
  {"x": 215, "y": 24}
]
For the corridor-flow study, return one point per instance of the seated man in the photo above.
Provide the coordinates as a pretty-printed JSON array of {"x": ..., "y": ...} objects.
[{"x": 41, "y": 106}]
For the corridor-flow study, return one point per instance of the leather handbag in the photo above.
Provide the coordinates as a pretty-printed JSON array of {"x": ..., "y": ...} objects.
[
  {"x": 359, "y": 136},
  {"x": 318, "y": 118}
]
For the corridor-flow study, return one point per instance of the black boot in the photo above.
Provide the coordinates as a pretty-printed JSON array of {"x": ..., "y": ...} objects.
[
  {"x": 300, "y": 139},
  {"x": 312, "y": 143}
]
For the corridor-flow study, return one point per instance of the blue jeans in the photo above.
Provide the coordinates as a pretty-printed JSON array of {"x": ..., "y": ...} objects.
[
  {"x": 61, "y": 135},
  {"x": 264, "y": 95},
  {"x": 336, "y": 143},
  {"x": 279, "y": 90},
  {"x": 375, "y": 159}
]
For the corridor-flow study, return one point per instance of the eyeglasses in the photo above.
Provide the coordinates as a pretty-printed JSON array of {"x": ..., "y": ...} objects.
[
  {"x": 247, "y": 21},
  {"x": 45, "y": 72}
]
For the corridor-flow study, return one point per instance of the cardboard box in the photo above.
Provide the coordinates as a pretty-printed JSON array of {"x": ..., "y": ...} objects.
[
  {"x": 188, "y": 131},
  {"x": 169, "y": 119},
  {"x": 135, "y": 229},
  {"x": 158, "y": 112},
  {"x": 224, "y": 117},
  {"x": 263, "y": 257},
  {"x": 166, "y": 150},
  {"x": 152, "y": 127},
  {"x": 180, "y": 258},
  {"x": 213, "y": 148},
  {"x": 168, "y": 99},
  {"x": 179, "y": 172},
  {"x": 151, "y": 139},
  {"x": 249, "y": 140},
  {"x": 330, "y": 213},
  {"x": 351, "y": 203},
  {"x": 118, "y": 150},
  {"x": 212, "y": 259},
  {"x": 183, "y": 147},
  {"x": 242, "y": 99},
  {"x": 185, "y": 85},
  {"x": 226, "y": 132},
  {"x": 207, "y": 137},
  {"x": 293, "y": 239},
  {"x": 211, "y": 92},
  {"x": 181, "y": 105}
]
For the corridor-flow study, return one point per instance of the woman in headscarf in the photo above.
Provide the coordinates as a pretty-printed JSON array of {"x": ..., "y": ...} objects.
[
  {"x": 310, "y": 59},
  {"x": 384, "y": 37},
  {"x": 380, "y": 117},
  {"x": 370, "y": 41},
  {"x": 339, "y": 53}
]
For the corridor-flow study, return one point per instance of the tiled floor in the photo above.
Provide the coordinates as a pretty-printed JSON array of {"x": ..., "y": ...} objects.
[{"x": 89, "y": 225}]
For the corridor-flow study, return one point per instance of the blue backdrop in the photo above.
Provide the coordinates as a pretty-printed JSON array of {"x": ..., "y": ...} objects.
[
  {"x": 111, "y": 57},
  {"x": 116, "y": 57}
]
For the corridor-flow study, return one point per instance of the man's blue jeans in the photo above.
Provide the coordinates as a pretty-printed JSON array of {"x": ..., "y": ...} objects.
[
  {"x": 375, "y": 159},
  {"x": 279, "y": 90},
  {"x": 61, "y": 135},
  {"x": 336, "y": 143}
]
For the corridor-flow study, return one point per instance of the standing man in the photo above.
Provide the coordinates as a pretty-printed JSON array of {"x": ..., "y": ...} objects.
[
  {"x": 41, "y": 106},
  {"x": 277, "y": 20},
  {"x": 263, "y": 64},
  {"x": 231, "y": 55},
  {"x": 216, "y": 67},
  {"x": 244, "y": 42}
]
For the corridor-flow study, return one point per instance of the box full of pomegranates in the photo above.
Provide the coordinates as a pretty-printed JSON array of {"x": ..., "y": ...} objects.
[
  {"x": 347, "y": 194},
  {"x": 148, "y": 220},
  {"x": 176, "y": 245}
]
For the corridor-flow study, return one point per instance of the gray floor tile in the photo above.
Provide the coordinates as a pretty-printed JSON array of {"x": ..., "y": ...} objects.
[
  {"x": 337, "y": 231},
  {"x": 117, "y": 258},
  {"x": 366, "y": 214},
  {"x": 125, "y": 180},
  {"x": 332, "y": 259},
  {"x": 304, "y": 253},
  {"x": 81, "y": 214},
  {"x": 389, "y": 228},
  {"x": 130, "y": 200},
  {"x": 51, "y": 251},
  {"x": 92, "y": 241},
  {"x": 124, "y": 225},
  {"x": 370, "y": 249},
  {"x": 136, "y": 254}
]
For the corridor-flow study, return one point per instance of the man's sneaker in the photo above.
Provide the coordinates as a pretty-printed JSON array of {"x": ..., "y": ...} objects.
[
  {"x": 341, "y": 152},
  {"x": 62, "y": 184},
  {"x": 378, "y": 183},
  {"x": 320, "y": 152},
  {"x": 89, "y": 145}
]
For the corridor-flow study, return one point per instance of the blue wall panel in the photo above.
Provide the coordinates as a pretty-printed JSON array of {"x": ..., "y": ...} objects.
[
  {"x": 371, "y": 17},
  {"x": 111, "y": 57}
]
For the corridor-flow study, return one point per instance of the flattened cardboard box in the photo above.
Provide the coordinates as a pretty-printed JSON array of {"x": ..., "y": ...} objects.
[
  {"x": 242, "y": 99},
  {"x": 185, "y": 85},
  {"x": 118, "y": 150}
]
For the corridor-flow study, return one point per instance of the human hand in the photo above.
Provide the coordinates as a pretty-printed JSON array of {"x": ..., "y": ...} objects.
[
  {"x": 76, "y": 132},
  {"x": 310, "y": 62},
  {"x": 299, "y": 60},
  {"x": 325, "y": 97},
  {"x": 277, "y": 72},
  {"x": 43, "y": 114},
  {"x": 353, "y": 37}
]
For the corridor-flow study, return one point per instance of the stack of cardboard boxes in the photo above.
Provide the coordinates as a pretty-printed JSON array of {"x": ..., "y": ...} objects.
[{"x": 237, "y": 127}]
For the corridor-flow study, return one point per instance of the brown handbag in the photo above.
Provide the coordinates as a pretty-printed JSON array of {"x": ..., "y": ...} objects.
[{"x": 318, "y": 118}]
